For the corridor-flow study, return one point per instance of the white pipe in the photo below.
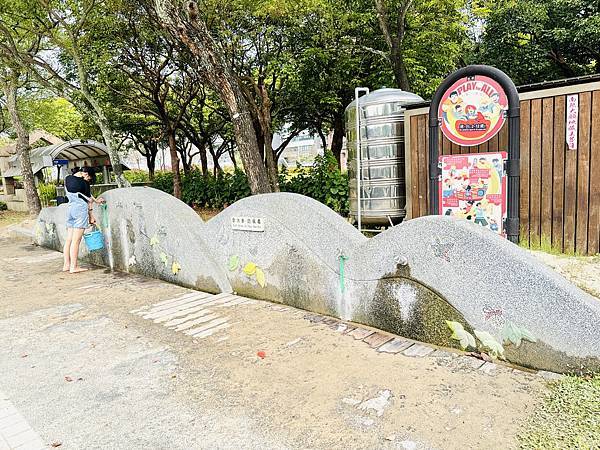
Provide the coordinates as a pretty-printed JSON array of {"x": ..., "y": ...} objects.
[{"x": 357, "y": 92}]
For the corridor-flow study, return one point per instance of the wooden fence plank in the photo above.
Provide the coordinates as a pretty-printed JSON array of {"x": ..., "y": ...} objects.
[
  {"x": 494, "y": 143},
  {"x": 535, "y": 173},
  {"x": 446, "y": 147},
  {"x": 594, "y": 223},
  {"x": 525, "y": 167},
  {"x": 570, "y": 205},
  {"x": 558, "y": 187},
  {"x": 427, "y": 190},
  {"x": 415, "y": 153},
  {"x": 422, "y": 201},
  {"x": 547, "y": 181},
  {"x": 583, "y": 172},
  {"x": 503, "y": 139}
]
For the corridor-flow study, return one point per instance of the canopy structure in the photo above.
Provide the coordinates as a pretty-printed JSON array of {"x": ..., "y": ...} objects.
[{"x": 71, "y": 153}]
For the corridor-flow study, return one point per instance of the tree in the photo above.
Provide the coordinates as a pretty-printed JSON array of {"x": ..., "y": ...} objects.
[
  {"x": 155, "y": 77},
  {"x": 64, "y": 57},
  {"x": 11, "y": 77},
  {"x": 55, "y": 115},
  {"x": 425, "y": 40},
  {"x": 10, "y": 83},
  {"x": 342, "y": 51},
  {"x": 187, "y": 27},
  {"x": 542, "y": 40}
]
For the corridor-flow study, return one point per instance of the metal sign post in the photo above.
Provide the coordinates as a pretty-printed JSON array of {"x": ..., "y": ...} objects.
[
  {"x": 470, "y": 73},
  {"x": 357, "y": 93}
]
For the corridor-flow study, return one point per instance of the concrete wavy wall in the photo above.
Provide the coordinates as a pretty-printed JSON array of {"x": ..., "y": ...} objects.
[
  {"x": 434, "y": 279},
  {"x": 149, "y": 232}
]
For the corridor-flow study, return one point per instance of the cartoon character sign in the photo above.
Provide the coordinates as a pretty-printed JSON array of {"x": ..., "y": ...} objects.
[
  {"x": 473, "y": 187},
  {"x": 472, "y": 110}
]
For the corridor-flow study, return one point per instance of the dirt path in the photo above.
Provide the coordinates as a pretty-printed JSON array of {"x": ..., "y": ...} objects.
[
  {"x": 584, "y": 271},
  {"x": 146, "y": 386}
]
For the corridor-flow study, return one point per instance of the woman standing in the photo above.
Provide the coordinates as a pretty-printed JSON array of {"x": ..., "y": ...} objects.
[{"x": 77, "y": 188}]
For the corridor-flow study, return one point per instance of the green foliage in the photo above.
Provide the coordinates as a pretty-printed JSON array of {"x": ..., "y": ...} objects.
[
  {"x": 536, "y": 40},
  {"x": 568, "y": 417},
  {"x": 214, "y": 192},
  {"x": 47, "y": 193},
  {"x": 56, "y": 116},
  {"x": 136, "y": 176},
  {"x": 324, "y": 182},
  {"x": 3, "y": 206}
]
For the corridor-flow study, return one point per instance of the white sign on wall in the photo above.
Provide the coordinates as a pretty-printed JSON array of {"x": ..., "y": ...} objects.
[
  {"x": 572, "y": 119},
  {"x": 248, "y": 223}
]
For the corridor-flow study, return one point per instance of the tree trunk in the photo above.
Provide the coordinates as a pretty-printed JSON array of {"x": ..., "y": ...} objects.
[
  {"x": 113, "y": 154},
  {"x": 232, "y": 156},
  {"x": 216, "y": 166},
  {"x": 323, "y": 139},
  {"x": 245, "y": 136},
  {"x": 271, "y": 163},
  {"x": 23, "y": 148},
  {"x": 337, "y": 141},
  {"x": 151, "y": 152},
  {"x": 191, "y": 30},
  {"x": 400, "y": 74},
  {"x": 174, "y": 164},
  {"x": 151, "y": 163},
  {"x": 204, "y": 160}
]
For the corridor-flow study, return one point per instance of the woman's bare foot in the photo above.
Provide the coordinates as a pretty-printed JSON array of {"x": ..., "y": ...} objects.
[
  {"x": 78, "y": 269},
  {"x": 65, "y": 268}
]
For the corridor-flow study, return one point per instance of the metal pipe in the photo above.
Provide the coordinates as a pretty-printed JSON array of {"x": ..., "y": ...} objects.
[{"x": 357, "y": 92}]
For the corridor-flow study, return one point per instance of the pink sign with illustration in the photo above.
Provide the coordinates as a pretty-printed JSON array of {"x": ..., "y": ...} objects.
[
  {"x": 472, "y": 110},
  {"x": 473, "y": 187}
]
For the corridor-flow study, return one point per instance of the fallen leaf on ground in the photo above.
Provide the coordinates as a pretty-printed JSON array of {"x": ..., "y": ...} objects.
[
  {"x": 261, "y": 354},
  {"x": 56, "y": 444},
  {"x": 69, "y": 379},
  {"x": 24, "y": 356}
]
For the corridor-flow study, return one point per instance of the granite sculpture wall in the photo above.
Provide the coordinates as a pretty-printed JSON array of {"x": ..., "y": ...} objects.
[{"x": 435, "y": 279}]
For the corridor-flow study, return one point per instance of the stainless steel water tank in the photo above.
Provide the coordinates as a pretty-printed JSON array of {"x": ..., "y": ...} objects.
[{"x": 383, "y": 190}]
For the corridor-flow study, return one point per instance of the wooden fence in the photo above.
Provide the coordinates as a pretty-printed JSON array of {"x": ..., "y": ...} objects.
[{"x": 560, "y": 188}]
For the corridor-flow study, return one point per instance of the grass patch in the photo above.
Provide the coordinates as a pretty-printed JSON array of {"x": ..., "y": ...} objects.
[
  {"x": 567, "y": 418},
  {"x": 12, "y": 217}
]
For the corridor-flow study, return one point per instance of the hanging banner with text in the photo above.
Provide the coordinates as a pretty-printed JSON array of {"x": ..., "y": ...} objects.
[
  {"x": 572, "y": 119},
  {"x": 473, "y": 187}
]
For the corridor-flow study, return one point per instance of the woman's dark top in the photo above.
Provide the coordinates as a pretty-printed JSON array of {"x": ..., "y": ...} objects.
[{"x": 78, "y": 185}]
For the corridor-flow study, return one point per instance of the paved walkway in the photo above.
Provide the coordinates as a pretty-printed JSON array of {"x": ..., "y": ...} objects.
[{"x": 103, "y": 360}]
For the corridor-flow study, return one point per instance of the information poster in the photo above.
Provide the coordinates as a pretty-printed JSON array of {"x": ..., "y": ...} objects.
[{"x": 473, "y": 187}]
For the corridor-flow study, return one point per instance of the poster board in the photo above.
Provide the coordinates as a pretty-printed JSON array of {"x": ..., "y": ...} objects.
[{"x": 473, "y": 187}]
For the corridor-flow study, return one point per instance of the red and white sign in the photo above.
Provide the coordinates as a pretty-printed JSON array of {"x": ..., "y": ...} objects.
[
  {"x": 472, "y": 110},
  {"x": 473, "y": 187},
  {"x": 572, "y": 119}
]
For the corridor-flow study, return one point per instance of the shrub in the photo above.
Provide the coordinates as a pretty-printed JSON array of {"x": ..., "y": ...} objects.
[
  {"x": 324, "y": 182},
  {"x": 163, "y": 180},
  {"x": 136, "y": 176},
  {"x": 47, "y": 193},
  {"x": 3, "y": 206}
]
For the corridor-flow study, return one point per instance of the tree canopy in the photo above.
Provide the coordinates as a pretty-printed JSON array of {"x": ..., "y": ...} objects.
[{"x": 226, "y": 75}]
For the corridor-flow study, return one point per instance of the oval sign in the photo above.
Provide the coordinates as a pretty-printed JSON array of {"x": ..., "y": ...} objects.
[{"x": 472, "y": 110}]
